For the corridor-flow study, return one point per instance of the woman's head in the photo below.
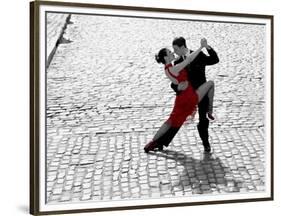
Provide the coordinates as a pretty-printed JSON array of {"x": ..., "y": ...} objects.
[{"x": 164, "y": 56}]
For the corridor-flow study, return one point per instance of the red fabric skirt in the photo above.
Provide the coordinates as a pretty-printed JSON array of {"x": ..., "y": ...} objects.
[{"x": 185, "y": 105}]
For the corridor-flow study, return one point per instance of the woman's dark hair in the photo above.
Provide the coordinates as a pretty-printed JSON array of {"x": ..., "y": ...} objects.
[
  {"x": 179, "y": 41},
  {"x": 160, "y": 56}
]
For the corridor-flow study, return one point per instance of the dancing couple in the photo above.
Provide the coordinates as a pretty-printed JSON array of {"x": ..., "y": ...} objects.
[{"x": 187, "y": 74}]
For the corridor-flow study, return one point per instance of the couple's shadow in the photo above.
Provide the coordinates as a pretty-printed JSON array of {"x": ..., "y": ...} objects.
[{"x": 201, "y": 176}]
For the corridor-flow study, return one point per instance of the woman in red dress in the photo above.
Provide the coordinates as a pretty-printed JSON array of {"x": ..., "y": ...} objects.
[{"x": 186, "y": 102}]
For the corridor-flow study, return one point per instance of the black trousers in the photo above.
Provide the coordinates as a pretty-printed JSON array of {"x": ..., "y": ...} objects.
[{"x": 202, "y": 126}]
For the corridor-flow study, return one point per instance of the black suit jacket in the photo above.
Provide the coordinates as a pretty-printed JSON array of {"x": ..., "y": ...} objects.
[{"x": 196, "y": 69}]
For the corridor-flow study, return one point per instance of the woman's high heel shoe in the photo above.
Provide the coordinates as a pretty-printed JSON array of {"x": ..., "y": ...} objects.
[{"x": 150, "y": 146}]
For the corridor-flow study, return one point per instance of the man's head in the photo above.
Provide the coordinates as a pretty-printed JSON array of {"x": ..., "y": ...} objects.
[{"x": 179, "y": 46}]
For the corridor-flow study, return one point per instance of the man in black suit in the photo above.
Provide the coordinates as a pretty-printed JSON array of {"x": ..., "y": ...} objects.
[{"x": 197, "y": 76}]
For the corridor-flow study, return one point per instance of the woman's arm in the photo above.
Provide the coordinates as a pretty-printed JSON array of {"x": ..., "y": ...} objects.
[{"x": 177, "y": 68}]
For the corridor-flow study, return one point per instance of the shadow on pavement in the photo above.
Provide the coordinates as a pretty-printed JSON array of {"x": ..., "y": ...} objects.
[
  {"x": 64, "y": 41},
  {"x": 202, "y": 176}
]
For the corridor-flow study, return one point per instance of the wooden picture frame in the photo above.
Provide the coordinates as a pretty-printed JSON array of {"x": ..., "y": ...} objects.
[{"x": 102, "y": 167}]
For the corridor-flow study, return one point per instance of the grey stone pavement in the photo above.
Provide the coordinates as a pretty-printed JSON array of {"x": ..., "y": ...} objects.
[
  {"x": 106, "y": 98},
  {"x": 55, "y": 25}
]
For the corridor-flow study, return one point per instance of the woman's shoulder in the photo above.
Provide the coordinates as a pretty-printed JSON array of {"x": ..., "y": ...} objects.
[{"x": 168, "y": 65}]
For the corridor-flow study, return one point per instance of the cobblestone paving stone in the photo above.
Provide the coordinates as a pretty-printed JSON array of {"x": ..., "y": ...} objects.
[{"x": 106, "y": 98}]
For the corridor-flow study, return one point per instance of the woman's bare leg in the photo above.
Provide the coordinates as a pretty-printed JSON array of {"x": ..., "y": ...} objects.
[
  {"x": 209, "y": 89},
  {"x": 162, "y": 130},
  {"x": 154, "y": 143}
]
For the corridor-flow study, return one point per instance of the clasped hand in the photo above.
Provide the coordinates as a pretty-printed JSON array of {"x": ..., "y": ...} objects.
[{"x": 203, "y": 42}]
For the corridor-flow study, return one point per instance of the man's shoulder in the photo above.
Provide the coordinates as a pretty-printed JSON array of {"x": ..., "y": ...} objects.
[{"x": 200, "y": 59}]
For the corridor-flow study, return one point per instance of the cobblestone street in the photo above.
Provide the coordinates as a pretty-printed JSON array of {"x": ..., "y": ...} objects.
[{"x": 107, "y": 97}]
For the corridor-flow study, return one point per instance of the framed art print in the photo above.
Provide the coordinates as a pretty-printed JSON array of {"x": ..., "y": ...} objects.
[{"x": 107, "y": 130}]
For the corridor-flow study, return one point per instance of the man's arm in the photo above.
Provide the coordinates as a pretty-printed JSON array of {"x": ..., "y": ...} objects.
[
  {"x": 175, "y": 88},
  {"x": 212, "y": 58}
]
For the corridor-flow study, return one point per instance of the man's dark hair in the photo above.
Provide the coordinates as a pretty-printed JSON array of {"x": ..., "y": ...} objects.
[{"x": 179, "y": 41}]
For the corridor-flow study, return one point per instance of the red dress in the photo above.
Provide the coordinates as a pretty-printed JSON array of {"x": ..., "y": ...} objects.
[{"x": 186, "y": 102}]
